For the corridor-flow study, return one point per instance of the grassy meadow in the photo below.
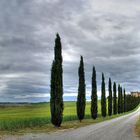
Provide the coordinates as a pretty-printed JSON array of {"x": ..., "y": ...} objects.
[
  {"x": 39, "y": 110},
  {"x": 37, "y": 116},
  {"x": 30, "y": 115}
]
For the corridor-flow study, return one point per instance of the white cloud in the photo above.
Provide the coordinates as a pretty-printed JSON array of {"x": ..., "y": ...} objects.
[{"x": 106, "y": 33}]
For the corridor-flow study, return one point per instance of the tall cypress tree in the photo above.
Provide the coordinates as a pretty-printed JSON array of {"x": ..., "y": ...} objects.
[
  {"x": 124, "y": 103},
  {"x": 110, "y": 98},
  {"x": 119, "y": 100},
  {"x": 81, "y": 99},
  {"x": 114, "y": 99},
  {"x": 94, "y": 98},
  {"x": 103, "y": 97},
  {"x": 56, "y": 92}
]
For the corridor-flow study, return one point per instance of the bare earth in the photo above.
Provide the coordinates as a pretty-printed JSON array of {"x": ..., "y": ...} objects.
[{"x": 121, "y": 128}]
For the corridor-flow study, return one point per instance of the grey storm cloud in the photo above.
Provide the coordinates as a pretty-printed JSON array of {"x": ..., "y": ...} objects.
[{"x": 106, "y": 33}]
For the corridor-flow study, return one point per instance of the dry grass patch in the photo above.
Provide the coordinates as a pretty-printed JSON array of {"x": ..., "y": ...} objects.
[{"x": 137, "y": 128}]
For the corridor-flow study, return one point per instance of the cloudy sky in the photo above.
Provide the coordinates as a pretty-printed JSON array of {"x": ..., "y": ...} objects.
[{"x": 106, "y": 33}]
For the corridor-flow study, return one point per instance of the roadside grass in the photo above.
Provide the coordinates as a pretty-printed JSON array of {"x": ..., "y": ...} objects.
[
  {"x": 36, "y": 118},
  {"x": 137, "y": 128},
  {"x": 13, "y": 118}
]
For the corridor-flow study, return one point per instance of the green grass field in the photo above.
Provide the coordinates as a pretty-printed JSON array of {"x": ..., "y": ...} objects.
[
  {"x": 17, "y": 117},
  {"x": 39, "y": 110},
  {"x": 32, "y": 116}
]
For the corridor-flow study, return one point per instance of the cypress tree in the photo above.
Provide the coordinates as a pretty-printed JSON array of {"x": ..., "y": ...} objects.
[
  {"x": 56, "y": 92},
  {"x": 52, "y": 93},
  {"x": 103, "y": 97},
  {"x": 94, "y": 98},
  {"x": 124, "y": 101},
  {"x": 114, "y": 99},
  {"x": 119, "y": 100},
  {"x": 81, "y": 99},
  {"x": 110, "y": 98}
]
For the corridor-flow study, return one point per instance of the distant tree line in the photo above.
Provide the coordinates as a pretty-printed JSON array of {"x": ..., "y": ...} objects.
[{"x": 116, "y": 104}]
